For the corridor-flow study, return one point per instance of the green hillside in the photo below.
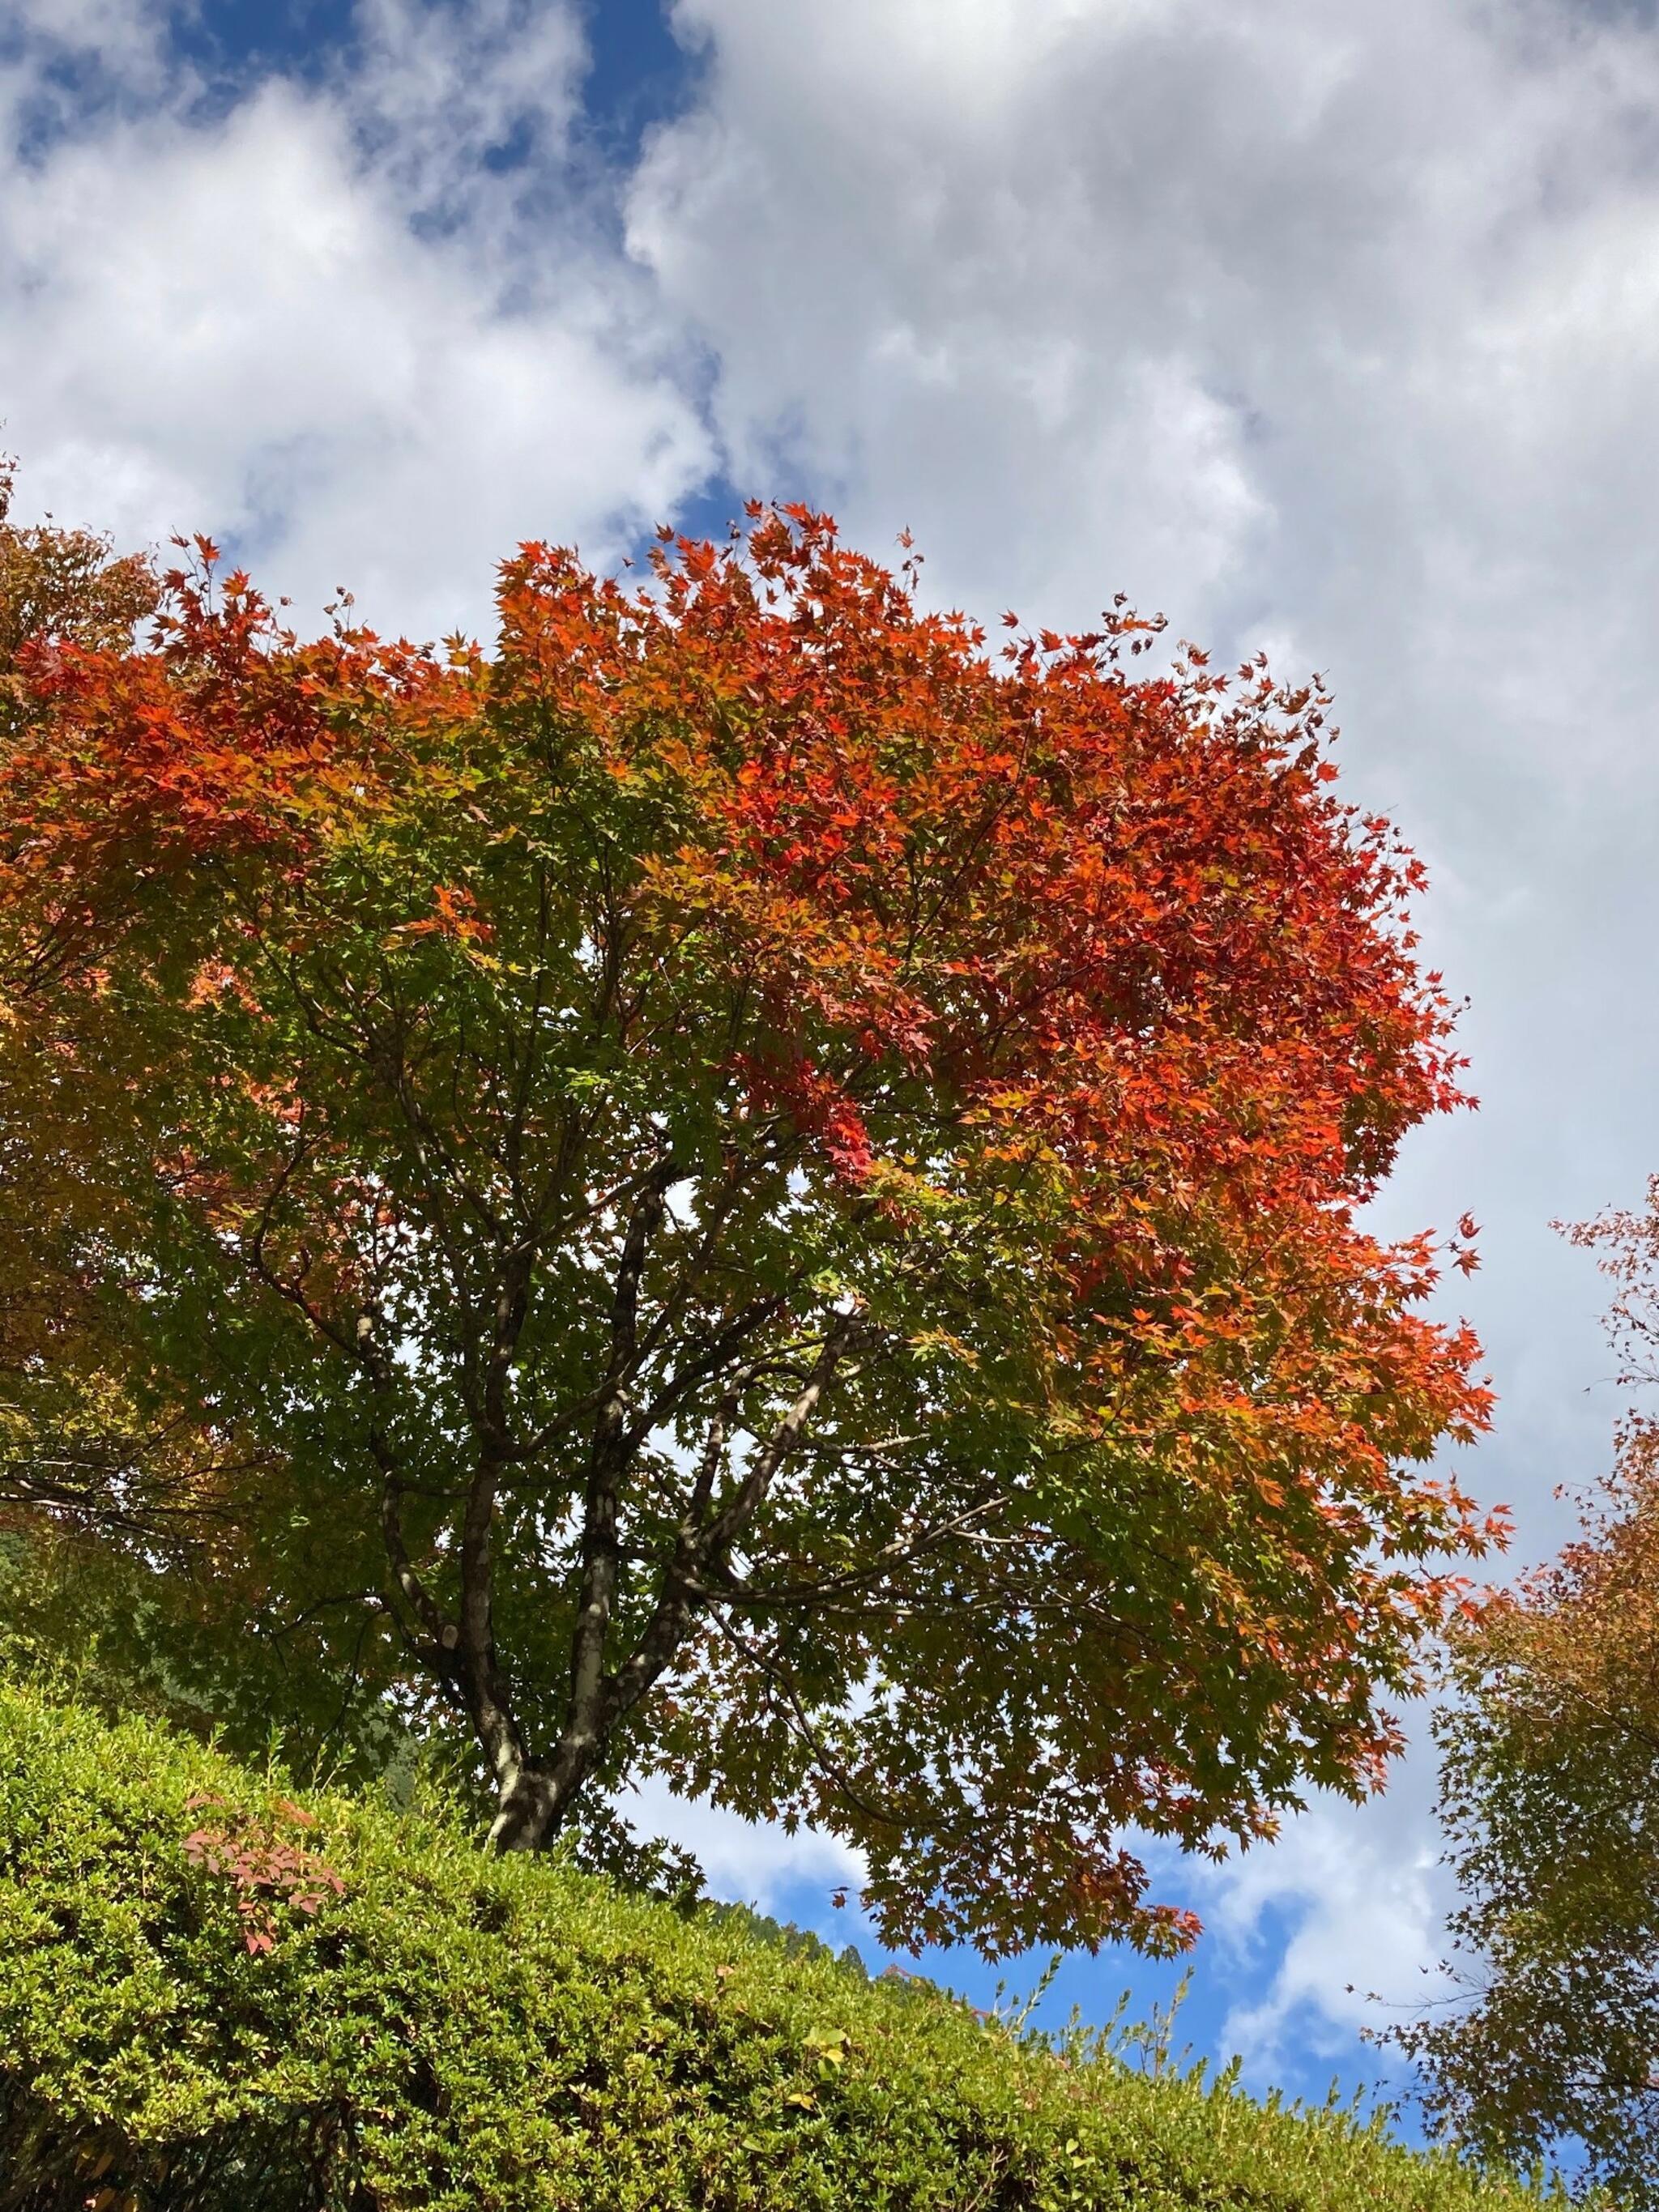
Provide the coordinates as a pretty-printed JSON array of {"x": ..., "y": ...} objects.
[{"x": 457, "y": 2032}]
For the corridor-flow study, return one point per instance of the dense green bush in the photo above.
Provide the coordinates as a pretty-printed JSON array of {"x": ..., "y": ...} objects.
[{"x": 456, "y": 2031}]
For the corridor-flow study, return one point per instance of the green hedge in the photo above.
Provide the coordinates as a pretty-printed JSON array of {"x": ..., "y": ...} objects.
[{"x": 454, "y": 2031}]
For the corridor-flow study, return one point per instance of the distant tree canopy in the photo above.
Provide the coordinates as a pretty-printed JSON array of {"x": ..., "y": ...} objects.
[
  {"x": 743, "y": 1189},
  {"x": 1550, "y": 1794}
]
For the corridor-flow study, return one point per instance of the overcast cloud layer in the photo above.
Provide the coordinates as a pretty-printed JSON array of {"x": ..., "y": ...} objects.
[{"x": 1334, "y": 330}]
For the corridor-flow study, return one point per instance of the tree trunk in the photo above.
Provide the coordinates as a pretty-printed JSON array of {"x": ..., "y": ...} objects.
[{"x": 528, "y": 1814}]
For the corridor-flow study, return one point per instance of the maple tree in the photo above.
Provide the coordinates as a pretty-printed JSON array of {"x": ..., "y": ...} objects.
[
  {"x": 773, "y": 1194},
  {"x": 1550, "y": 1796}
]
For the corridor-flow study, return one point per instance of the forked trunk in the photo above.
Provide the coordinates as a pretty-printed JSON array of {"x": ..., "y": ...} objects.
[{"x": 529, "y": 1815}]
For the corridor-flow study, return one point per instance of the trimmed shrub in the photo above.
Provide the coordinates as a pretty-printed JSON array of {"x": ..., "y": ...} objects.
[{"x": 216, "y": 2029}]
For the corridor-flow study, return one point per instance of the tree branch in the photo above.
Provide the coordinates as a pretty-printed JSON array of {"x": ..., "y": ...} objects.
[{"x": 702, "y": 1544}]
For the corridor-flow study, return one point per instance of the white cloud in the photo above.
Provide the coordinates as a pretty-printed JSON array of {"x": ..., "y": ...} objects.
[
  {"x": 961, "y": 260},
  {"x": 313, "y": 322},
  {"x": 125, "y": 38},
  {"x": 1365, "y": 1895},
  {"x": 439, "y": 93}
]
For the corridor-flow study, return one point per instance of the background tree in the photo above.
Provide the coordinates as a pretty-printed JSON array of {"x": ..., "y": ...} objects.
[
  {"x": 1550, "y": 1796},
  {"x": 774, "y": 1198}
]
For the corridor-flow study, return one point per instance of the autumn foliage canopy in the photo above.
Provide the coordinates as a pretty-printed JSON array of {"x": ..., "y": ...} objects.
[{"x": 744, "y": 1187}]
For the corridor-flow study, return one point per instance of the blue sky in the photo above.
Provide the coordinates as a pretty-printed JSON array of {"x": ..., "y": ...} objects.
[{"x": 1335, "y": 330}]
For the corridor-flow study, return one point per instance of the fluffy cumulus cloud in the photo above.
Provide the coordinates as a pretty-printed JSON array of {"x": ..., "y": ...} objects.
[
  {"x": 367, "y": 323},
  {"x": 1341, "y": 1916},
  {"x": 1332, "y": 329},
  {"x": 1271, "y": 312}
]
